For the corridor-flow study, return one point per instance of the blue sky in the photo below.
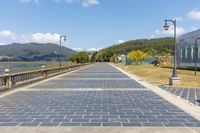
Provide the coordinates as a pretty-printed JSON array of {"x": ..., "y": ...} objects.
[{"x": 93, "y": 24}]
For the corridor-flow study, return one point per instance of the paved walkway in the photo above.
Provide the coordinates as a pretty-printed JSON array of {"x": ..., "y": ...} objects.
[
  {"x": 191, "y": 95},
  {"x": 99, "y": 95}
]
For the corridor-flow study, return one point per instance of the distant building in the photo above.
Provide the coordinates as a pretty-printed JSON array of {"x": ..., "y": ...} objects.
[{"x": 186, "y": 55}]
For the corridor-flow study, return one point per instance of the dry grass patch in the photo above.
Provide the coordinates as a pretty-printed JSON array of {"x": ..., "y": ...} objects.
[{"x": 157, "y": 75}]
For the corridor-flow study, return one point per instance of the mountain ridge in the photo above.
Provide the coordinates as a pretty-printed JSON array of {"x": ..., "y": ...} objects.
[
  {"x": 156, "y": 46},
  {"x": 33, "y": 51}
]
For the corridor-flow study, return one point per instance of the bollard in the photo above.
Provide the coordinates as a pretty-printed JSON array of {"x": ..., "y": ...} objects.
[
  {"x": 8, "y": 78},
  {"x": 43, "y": 67},
  {"x": 44, "y": 72}
]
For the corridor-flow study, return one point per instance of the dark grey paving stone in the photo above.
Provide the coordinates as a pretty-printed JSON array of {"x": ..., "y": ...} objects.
[
  {"x": 92, "y": 116},
  {"x": 79, "y": 84},
  {"x": 91, "y": 124},
  {"x": 112, "y": 124},
  {"x": 98, "y": 120},
  {"x": 132, "y": 124},
  {"x": 152, "y": 124},
  {"x": 138, "y": 120},
  {"x": 96, "y": 75},
  {"x": 174, "y": 124},
  {"x": 23, "y": 120},
  {"x": 192, "y": 95},
  {"x": 107, "y": 77},
  {"x": 6, "y": 120},
  {"x": 61, "y": 120},
  {"x": 29, "y": 124},
  {"x": 42, "y": 120},
  {"x": 178, "y": 92},
  {"x": 56, "y": 117},
  {"x": 49, "y": 124},
  {"x": 173, "y": 91},
  {"x": 9, "y": 124},
  {"x": 192, "y": 124},
  {"x": 115, "y": 105},
  {"x": 70, "y": 124},
  {"x": 80, "y": 120}
]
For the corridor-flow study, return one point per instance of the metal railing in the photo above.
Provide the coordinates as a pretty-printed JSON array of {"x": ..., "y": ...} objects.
[{"x": 8, "y": 81}]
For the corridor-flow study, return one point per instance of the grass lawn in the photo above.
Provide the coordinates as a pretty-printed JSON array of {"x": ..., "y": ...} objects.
[{"x": 159, "y": 76}]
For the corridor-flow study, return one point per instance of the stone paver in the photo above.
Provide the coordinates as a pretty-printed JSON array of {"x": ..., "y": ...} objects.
[
  {"x": 97, "y": 83},
  {"x": 98, "y": 76},
  {"x": 91, "y": 108},
  {"x": 42, "y": 105},
  {"x": 192, "y": 95}
]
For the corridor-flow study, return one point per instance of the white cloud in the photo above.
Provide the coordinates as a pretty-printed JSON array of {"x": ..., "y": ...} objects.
[
  {"x": 40, "y": 38},
  {"x": 72, "y": 1},
  {"x": 89, "y": 49},
  {"x": 170, "y": 31},
  {"x": 67, "y": 1},
  {"x": 2, "y": 43},
  {"x": 78, "y": 49},
  {"x": 178, "y": 18},
  {"x": 9, "y": 37},
  {"x": 120, "y": 41},
  {"x": 194, "y": 14},
  {"x": 94, "y": 49},
  {"x": 29, "y": 1},
  {"x": 88, "y": 3},
  {"x": 179, "y": 31},
  {"x": 85, "y": 3},
  {"x": 152, "y": 36},
  {"x": 157, "y": 31},
  {"x": 7, "y": 34},
  {"x": 194, "y": 28}
]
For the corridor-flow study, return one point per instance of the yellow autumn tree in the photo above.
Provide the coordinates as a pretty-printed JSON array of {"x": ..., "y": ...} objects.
[{"x": 137, "y": 56}]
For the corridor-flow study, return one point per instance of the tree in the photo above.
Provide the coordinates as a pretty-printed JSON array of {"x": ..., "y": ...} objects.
[
  {"x": 104, "y": 55},
  {"x": 93, "y": 56},
  {"x": 137, "y": 56},
  {"x": 80, "y": 57},
  {"x": 114, "y": 59}
]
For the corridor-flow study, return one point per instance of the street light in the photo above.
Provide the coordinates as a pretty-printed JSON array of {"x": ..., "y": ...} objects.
[
  {"x": 64, "y": 39},
  {"x": 166, "y": 27},
  {"x": 196, "y": 54}
]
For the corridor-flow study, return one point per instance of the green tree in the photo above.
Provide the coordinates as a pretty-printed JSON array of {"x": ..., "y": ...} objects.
[
  {"x": 80, "y": 57},
  {"x": 137, "y": 56},
  {"x": 104, "y": 55},
  {"x": 93, "y": 57}
]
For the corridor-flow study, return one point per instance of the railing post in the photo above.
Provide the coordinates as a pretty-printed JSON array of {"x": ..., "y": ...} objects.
[
  {"x": 44, "y": 72},
  {"x": 8, "y": 79}
]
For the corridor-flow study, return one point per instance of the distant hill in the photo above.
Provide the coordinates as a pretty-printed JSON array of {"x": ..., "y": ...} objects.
[
  {"x": 33, "y": 52},
  {"x": 158, "y": 46}
]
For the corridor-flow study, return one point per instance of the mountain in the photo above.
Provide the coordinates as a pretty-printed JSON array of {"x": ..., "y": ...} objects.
[
  {"x": 157, "y": 46},
  {"x": 34, "y": 52}
]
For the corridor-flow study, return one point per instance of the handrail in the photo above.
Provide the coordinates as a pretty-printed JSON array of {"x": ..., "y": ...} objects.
[{"x": 8, "y": 81}]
